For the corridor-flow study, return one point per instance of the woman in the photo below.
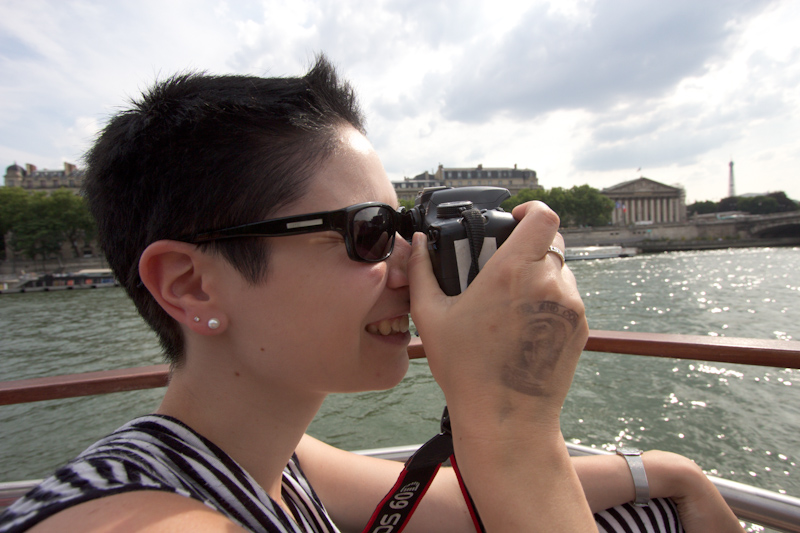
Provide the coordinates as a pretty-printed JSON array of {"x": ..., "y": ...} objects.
[{"x": 260, "y": 329}]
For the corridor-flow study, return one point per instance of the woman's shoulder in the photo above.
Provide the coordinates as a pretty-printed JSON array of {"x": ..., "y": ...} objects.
[
  {"x": 139, "y": 511},
  {"x": 126, "y": 461},
  {"x": 158, "y": 458}
]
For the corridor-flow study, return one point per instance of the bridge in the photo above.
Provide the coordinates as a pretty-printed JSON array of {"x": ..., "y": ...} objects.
[{"x": 776, "y": 225}]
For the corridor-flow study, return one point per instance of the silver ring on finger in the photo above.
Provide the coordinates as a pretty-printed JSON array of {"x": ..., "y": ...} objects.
[{"x": 558, "y": 252}]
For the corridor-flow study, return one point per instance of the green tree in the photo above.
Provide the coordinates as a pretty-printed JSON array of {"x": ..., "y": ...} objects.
[
  {"x": 408, "y": 204},
  {"x": 37, "y": 237},
  {"x": 560, "y": 201},
  {"x": 758, "y": 205},
  {"x": 774, "y": 202},
  {"x": 731, "y": 203},
  {"x": 36, "y": 232},
  {"x": 588, "y": 207},
  {"x": 14, "y": 203},
  {"x": 39, "y": 224},
  {"x": 71, "y": 215},
  {"x": 785, "y": 204},
  {"x": 702, "y": 208},
  {"x": 581, "y": 205},
  {"x": 525, "y": 195}
]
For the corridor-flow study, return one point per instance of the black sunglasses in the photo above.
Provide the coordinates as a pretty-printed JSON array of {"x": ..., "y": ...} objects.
[{"x": 368, "y": 229}]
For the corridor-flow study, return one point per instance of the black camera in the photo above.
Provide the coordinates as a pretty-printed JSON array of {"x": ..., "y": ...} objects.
[{"x": 464, "y": 225}]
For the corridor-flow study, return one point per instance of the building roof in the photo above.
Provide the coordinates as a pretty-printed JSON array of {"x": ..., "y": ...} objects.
[
  {"x": 638, "y": 185},
  {"x": 15, "y": 168},
  {"x": 481, "y": 167}
]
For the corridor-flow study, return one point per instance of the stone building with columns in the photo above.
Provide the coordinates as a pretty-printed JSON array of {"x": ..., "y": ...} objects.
[{"x": 644, "y": 201}]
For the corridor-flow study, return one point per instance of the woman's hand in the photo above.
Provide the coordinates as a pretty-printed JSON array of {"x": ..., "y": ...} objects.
[
  {"x": 509, "y": 344},
  {"x": 700, "y": 505},
  {"x": 504, "y": 353}
]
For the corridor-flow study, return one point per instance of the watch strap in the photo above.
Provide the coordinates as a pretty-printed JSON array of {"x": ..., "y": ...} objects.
[{"x": 636, "y": 466}]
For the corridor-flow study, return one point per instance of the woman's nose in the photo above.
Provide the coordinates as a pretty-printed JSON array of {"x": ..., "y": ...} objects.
[{"x": 397, "y": 263}]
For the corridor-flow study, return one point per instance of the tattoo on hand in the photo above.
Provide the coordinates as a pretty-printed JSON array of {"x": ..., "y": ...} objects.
[
  {"x": 548, "y": 325},
  {"x": 553, "y": 308}
]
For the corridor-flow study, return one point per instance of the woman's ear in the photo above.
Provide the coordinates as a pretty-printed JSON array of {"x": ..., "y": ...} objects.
[{"x": 173, "y": 272}]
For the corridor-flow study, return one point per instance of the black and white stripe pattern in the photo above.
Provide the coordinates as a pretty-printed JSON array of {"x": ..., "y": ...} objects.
[
  {"x": 659, "y": 516},
  {"x": 160, "y": 453}
]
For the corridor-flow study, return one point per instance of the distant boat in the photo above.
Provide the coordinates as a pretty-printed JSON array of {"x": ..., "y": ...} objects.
[
  {"x": 598, "y": 252},
  {"x": 82, "y": 279}
]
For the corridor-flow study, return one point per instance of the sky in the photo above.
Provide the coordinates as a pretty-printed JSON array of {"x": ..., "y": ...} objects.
[{"x": 583, "y": 91}]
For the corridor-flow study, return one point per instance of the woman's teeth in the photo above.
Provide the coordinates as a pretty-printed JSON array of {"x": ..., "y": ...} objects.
[{"x": 388, "y": 327}]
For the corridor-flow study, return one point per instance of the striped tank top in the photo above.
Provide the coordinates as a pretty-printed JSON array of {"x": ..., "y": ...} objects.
[{"x": 158, "y": 452}]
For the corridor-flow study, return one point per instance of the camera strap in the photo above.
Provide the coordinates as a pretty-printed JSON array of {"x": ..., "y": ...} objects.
[
  {"x": 474, "y": 226},
  {"x": 396, "y": 508}
]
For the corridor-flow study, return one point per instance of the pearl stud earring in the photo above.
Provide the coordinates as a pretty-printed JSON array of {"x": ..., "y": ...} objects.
[{"x": 213, "y": 323}]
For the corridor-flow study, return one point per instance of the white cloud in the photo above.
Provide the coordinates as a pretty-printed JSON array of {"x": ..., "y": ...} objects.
[{"x": 584, "y": 91}]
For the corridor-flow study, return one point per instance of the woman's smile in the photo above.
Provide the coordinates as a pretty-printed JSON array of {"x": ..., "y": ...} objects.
[{"x": 398, "y": 324}]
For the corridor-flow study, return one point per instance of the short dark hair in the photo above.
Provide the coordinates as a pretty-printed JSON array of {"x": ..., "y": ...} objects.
[{"x": 198, "y": 152}]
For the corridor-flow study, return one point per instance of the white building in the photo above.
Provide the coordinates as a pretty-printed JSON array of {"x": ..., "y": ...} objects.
[{"x": 645, "y": 201}]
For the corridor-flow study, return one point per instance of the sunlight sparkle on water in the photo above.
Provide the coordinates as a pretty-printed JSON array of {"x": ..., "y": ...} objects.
[{"x": 708, "y": 369}]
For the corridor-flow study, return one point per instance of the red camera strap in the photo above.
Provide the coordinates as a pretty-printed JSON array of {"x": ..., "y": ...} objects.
[{"x": 396, "y": 508}]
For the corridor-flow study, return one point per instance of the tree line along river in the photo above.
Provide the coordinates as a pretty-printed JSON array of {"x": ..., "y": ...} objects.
[{"x": 738, "y": 422}]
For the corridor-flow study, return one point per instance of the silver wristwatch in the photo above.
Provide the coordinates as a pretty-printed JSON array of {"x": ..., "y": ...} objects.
[{"x": 636, "y": 465}]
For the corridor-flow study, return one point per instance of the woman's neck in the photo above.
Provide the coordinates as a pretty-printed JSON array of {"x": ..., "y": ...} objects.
[{"x": 256, "y": 423}]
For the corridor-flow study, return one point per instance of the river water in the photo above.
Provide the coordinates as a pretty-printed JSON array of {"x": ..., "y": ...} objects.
[{"x": 738, "y": 422}]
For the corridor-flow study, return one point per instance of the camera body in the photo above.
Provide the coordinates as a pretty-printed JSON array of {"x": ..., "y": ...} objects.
[{"x": 438, "y": 212}]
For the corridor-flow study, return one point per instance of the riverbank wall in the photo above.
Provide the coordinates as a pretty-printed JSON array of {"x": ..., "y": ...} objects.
[
  {"x": 16, "y": 268},
  {"x": 705, "y": 235}
]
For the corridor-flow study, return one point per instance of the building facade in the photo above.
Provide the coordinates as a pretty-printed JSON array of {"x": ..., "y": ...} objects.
[
  {"x": 513, "y": 179},
  {"x": 33, "y": 179},
  {"x": 409, "y": 187},
  {"x": 644, "y": 201}
]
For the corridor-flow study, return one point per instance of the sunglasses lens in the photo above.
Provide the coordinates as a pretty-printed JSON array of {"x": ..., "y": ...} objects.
[{"x": 373, "y": 233}]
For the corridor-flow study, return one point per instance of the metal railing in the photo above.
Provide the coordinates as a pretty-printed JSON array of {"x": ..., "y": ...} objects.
[
  {"x": 763, "y": 507},
  {"x": 762, "y": 352}
]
